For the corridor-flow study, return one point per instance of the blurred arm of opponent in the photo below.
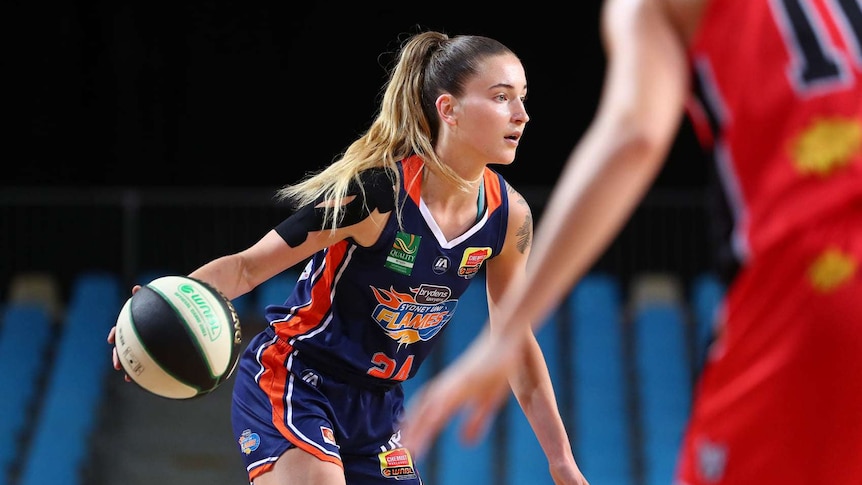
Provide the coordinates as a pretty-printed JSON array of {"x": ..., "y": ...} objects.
[{"x": 605, "y": 177}]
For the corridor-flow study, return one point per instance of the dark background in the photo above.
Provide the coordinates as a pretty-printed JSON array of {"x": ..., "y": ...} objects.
[
  {"x": 255, "y": 94},
  {"x": 147, "y": 137}
]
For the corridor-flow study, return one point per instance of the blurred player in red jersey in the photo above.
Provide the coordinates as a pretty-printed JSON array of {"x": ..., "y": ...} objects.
[{"x": 774, "y": 88}]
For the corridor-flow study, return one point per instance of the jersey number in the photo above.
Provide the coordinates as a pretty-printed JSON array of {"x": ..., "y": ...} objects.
[
  {"x": 815, "y": 57},
  {"x": 385, "y": 367}
]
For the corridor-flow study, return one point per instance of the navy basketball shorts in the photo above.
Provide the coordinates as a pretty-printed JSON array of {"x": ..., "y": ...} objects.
[{"x": 280, "y": 403}]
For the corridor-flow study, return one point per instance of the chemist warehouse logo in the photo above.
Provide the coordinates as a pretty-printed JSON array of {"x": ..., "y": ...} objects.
[
  {"x": 416, "y": 316},
  {"x": 472, "y": 260}
]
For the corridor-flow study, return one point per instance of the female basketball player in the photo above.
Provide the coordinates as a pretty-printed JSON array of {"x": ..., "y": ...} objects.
[
  {"x": 778, "y": 97},
  {"x": 395, "y": 230}
]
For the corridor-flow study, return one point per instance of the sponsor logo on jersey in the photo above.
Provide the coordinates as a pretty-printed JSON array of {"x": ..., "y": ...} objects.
[
  {"x": 311, "y": 378},
  {"x": 248, "y": 441},
  {"x": 472, "y": 260},
  {"x": 441, "y": 265},
  {"x": 397, "y": 464},
  {"x": 416, "y": 316},
  {"x": 402, "y": 255}
]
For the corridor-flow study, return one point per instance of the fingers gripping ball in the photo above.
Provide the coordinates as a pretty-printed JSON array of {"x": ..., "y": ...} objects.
[{"x": 178, "y": 337}]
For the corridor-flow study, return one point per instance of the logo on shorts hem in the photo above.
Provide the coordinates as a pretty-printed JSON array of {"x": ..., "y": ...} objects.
[
  {"x": 248, "y": 441},
  {"x": 311, "y": 378},
  {"x": 397, "y": 464},
  {"x": 328, "y": 435}
]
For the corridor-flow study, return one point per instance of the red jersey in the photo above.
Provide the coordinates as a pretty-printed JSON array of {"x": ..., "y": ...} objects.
[
  {"x": 778, "y": 100},
  {"x": 779, "y": 400}
]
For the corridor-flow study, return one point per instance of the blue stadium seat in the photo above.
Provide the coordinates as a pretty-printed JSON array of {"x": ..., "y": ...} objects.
[
  {"x": 603, "y": 440},
  {"x": 244, "y": 306},
  {"x": 458, "y": 463},
  {"x": 74, "y": 391},
  {"x": 38, "y": 287},
  {"x": 707, "y": 293},
  {"x": 664, "y": 385},
  {"x": 24, "y": 342},
  {"x": 275, "y": 290}
]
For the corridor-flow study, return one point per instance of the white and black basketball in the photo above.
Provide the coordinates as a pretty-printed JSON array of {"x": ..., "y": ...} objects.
[{"x": 178, "y": 337}]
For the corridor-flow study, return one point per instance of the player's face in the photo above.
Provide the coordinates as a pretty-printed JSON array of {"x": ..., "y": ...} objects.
[{"x": 492, "y": 114}]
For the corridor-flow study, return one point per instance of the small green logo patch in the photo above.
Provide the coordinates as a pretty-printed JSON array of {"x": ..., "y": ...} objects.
[{"x": 403, "y": 253}]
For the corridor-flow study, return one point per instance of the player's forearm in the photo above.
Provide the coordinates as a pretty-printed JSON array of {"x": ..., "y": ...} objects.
[
  {"x": 535, "y": 394},
  {"x": 224, "y": 273}
]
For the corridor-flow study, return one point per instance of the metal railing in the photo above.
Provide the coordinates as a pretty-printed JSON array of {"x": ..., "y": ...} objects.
[{"x": 132, "y": 231}]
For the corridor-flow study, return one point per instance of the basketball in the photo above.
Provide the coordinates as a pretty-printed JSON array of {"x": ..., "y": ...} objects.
[{"x": 178, "y": 337}]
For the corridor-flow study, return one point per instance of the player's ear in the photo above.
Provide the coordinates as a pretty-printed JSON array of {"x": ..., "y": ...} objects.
[{"x": 447, "y": 108}]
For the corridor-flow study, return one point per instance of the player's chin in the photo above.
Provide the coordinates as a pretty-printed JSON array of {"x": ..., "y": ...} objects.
[{"x": 505, "y": 158}]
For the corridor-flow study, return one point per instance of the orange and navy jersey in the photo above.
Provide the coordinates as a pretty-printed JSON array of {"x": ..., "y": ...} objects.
[
  {"x": 371, "y": 314},
  {"x": 778, "y": 99}
]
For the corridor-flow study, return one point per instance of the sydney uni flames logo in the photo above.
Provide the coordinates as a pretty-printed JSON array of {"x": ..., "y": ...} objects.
[{"x": 415, "y": 316}]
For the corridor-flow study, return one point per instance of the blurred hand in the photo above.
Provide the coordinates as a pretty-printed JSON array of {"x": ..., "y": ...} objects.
[
  {"x": 112, "y": 336},
  {"x": 568, "y": 474},
  {"x": 475, "y": 383}
]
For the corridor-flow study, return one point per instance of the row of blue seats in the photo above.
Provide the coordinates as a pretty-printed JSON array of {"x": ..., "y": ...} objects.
[
  {"x": 53, "y": 382},
  {"x": 53, "y": 374},
  {"x": 584, "y": 344},
  {"x": 625, "y": 426}
]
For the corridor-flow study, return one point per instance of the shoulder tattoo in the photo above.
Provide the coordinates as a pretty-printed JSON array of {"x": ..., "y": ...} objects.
[{"x": 524, "y": 235}]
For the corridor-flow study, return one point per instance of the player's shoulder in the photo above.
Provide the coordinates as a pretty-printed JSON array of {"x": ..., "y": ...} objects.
[
  {"x": 520, "y": 213},
  {"x": 377, "y": 187},
  {"x": 517, "y": 202},
  {"x": 377, "y": 177},
  {"x": 519, "y": 232}
]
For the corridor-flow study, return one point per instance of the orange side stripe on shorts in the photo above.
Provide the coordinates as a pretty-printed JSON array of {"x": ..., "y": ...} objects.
[{"x": 277, "y": 375}]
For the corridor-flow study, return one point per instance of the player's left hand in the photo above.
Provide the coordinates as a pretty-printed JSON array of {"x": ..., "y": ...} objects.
[{"x": 480, "y": 397}]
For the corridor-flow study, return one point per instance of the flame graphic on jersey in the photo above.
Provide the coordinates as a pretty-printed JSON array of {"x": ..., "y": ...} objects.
[
  {"x": 407, "y": 321},
  {"x": 827, "y": 145}
]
